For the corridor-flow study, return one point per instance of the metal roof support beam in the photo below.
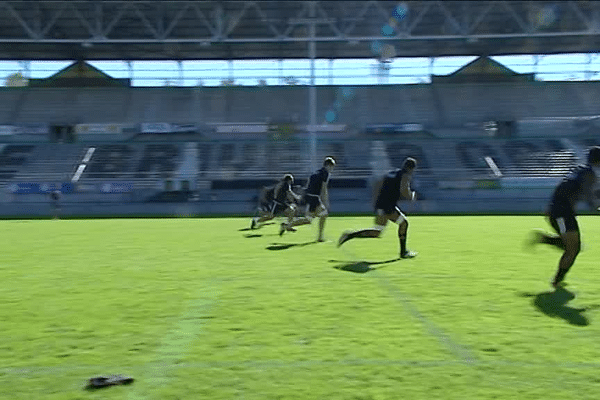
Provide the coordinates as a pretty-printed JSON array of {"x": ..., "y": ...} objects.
[
  {"x": 84, "y": 22},
  {"x": 360, "y": 16},
  {"x": 32, "y": 34},
  {"x": 215, "y": 32},
  {"x": 236, "y": 19},
  {"x": 45, "y": 26},
  {"x": 318, "y": 39},
  {"x": 115, "y": 19},
  {"x": 98, "y": 15},
  {"x": 264, "y": 19},
  {"x": 53, "y": 20},
  {"x": 480, "y": 18},
  {"x": 160, "y": 20},
  {"x": 581, "y": 15},
  {"x": 418, "y": 19},
  {"x": 219, "y": 18},
  {"x": 312, "y": 90},
  {"x": 524, "y": 27},
  {"x": 458, "y": 28},
  {"x": 331, "y": 22},
  {"x": 292, "y": 22},
  {"x": 37, "y": 20},
  {"x": 145, "y": 21},
  {"x": 176, "y": 19}
]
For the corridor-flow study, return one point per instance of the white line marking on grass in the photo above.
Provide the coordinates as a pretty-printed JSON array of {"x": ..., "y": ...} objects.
[
  {"x": 176, "y": 344},
  {"x": 466, "y": 355}
]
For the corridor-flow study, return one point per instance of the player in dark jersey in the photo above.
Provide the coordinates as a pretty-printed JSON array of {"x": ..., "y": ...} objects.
[
  {"x": 266, "y": 197},
  {"x": 575, "y": 187},
  {"x": 283, "y": 202},
  {"x": 55, "y": 201},
  {"x": 316, "y": 197},
  {"x": 395, "y": 184}
]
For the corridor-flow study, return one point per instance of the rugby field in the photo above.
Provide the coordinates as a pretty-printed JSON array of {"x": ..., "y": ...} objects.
[{"x": 207, "y": 309}]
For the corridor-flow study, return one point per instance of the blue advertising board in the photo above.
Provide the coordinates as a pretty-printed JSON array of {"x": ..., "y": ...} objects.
[{"x": 39, "y": 188}]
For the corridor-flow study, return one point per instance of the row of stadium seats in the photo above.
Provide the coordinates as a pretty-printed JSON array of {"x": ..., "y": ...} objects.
[
  {"x": 435, "y": 105},
  {"x": 438, "y": 159}
]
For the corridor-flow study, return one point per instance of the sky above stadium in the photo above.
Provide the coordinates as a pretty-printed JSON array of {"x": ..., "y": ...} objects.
[{"x": 561, "y": 67}]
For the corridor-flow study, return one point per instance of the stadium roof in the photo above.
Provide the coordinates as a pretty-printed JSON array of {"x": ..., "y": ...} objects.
[{"x": 186, "y": 30}]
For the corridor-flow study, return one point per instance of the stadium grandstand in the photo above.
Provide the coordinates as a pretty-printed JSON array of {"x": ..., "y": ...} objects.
[{"x": 488, "y": 138}]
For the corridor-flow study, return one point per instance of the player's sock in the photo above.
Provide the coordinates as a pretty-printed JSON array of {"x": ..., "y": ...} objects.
[
  {"x": 402, "y": 244},
  {"x": 560, "y": 275},
  {"x": 282, "y": 228}
]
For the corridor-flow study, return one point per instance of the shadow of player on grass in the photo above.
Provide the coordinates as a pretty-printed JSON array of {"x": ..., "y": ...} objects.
[
  {"x": 360, "y": 267},
  {"x": 553, "y": 304},
  {"x": 285, "y": 246},
  {"x": 250, "y": 229}
]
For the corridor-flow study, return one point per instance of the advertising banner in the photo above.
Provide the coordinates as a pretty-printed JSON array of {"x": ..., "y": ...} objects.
[
  {"x": 390, "y": 129},
  {"x": 39, "y": 188},
  {"x": 7, "y": 130},
  {"x": 82, "y": 129},
  {"x": 32, "y": 129},
  {"x": 164, "y": 127},
  {"x": 115, "y": 187},
  {"x": 183, "y": 128},
  {"x": 156, "y": 127}
]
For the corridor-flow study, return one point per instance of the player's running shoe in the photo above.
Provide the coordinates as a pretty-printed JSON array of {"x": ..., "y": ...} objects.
[
  {"x": 253, "y": 224},
  {"x": 558, "y": 285},
  {"x": 282, "y": 229},
  {"x": 535, "y": 237},
  {"x": 409, "y": 254}
]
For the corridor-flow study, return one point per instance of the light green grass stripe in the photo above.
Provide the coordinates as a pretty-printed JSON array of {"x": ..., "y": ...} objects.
[
  {"x": 458, "y": 350},
  {"x": 176, "y": 344}
]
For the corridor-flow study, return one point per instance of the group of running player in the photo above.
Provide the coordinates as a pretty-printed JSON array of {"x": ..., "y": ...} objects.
[{"x": 281, "y": 200}]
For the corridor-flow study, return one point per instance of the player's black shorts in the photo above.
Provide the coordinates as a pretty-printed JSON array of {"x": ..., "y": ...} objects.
[
  {"x": 313, "y": 202},
  {"x": 562, "y": 217},
  {"x": 388, "y": 208}
]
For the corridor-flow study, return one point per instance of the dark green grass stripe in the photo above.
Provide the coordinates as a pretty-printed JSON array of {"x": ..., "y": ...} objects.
[
  {"x": 280, "y": 364},
  {"x": 458, "y": 350}
]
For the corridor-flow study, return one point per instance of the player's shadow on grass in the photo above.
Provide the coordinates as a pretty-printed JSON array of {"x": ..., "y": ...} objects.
[
  {"x": 285, "y": 246},
  {"x": 250, "y": 229},
  {"x": 553, "y": 304},
  {"x": 361, "y": 267}
]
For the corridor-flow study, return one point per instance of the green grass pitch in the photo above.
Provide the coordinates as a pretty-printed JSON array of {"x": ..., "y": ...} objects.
[{"x": 207, "y": 309}]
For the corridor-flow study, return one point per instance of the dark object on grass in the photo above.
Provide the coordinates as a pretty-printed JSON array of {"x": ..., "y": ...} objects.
[{"x": 98, "y": 382}]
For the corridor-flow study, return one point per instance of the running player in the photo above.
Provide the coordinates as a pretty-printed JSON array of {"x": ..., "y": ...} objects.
[
  {"x": 265, "y": 199},
  {"x": 573, "y": 188},
  {"x": 395, "y": 184},
  {"x": 316, "y": 197},
  {"x": 283, "y": 202},
  {"x": 55, "y": 201}
]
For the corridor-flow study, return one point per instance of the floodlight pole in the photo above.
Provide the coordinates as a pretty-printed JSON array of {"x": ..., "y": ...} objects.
[{"x": 312, "y": 90}]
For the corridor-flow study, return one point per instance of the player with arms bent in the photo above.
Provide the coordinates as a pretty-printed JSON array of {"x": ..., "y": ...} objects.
[
  {"x": 283, "y": 202},
  {"x": 265, "y": 201},
  {"x": 395, "y": 184},
  {"x": 576, "y": 186},
  {"x": 316, "y": 197}
]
